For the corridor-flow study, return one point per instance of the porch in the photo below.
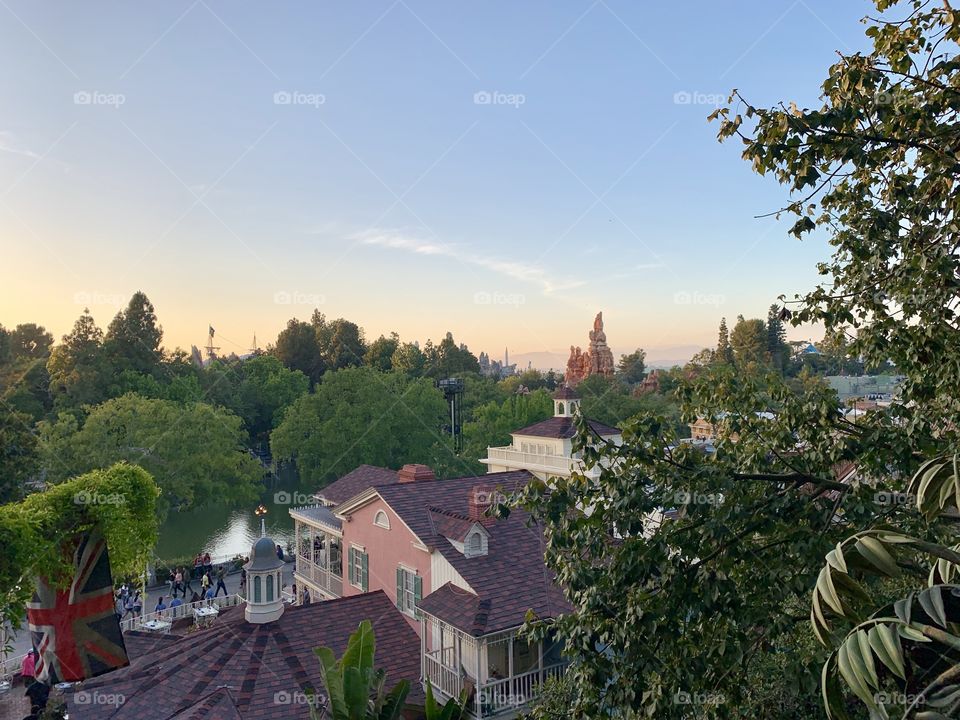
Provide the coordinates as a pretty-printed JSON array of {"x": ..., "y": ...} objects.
[
  {"x": 500, "y": 673},
  {"x": 319, "y": 551}
]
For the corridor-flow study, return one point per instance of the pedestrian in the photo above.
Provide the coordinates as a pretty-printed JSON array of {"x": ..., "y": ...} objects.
[
  {"x": 306, "y": 596},
  {"x": 137, "y": 605},
  {"x": 178, "y": 583},
  {"x": 243, "y": 581},
  {"x": 174, "y": 604},
  {"x": 279, "y": 552},
  {"x": 186, "y": 581},
  {"x": 161, "y": 606},
  {"x": 128, "y": 607},
  {"x": 205, "y": 584},
  {"x": 207, "y": 567},
  {"x": 28, "y": 668},
  {"x": 293, "y": 591},
  {"x": 220, "y": 584},
  {"x": 195, "y": 598},
  {"x": 210, "y": 595}
]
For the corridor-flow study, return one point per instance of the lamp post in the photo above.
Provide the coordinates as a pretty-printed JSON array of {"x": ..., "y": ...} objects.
[{"x": 261, "y": 512}]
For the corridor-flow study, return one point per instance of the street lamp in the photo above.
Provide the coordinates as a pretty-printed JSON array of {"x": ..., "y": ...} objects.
[{"x": 261, "y": 512}]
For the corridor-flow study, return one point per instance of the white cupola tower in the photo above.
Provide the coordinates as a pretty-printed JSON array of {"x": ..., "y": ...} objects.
[
  {"x": 566, "y": 402},
  {"x": 264, "y": 583}
]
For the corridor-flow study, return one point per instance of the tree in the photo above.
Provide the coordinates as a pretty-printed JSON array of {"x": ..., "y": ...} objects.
[
  {"x": 492, "y": 422},
  {"x": 133, "y": 338},
  {"x": 78, "y": 368},
  {"x": 408, "y": 359},
  {"x": 341, "y": 344},
  {"x": 749, "y": 341},
  {"x": 448, "y": 359},
  {"x": 355, "y": 689},
  {"x": 19, "y": 459},
  {"x": 297, "y": 348},
  {"x": 29, "y": 341},
  {"x": 724, "y": 353},
  {"x": 356, "y": 416},
  {"x": 194, "y": 451},
  {"x": 632, "y": 368},
  {"x": 777, "y": 348},
  {"x": 380, "y": 353}
]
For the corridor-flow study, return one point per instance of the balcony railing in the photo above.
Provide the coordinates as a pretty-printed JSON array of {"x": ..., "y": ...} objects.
[
  {"x": 320, "y": 576},
  {"x": 558, "y": 464},
  {"x": 180, "y": 611},
  {"x": 501, "y": 697}
]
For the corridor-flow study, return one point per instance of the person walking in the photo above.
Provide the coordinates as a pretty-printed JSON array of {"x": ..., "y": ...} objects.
[
  {"x": 186, "y": 581},
  {"x": 243, "y": 581},
  {"x": 205, "y": 584},
  {"x": 220, "y": 584},
  {"x": 128, "y": 607},
  {"x": 28, "y": 668},
  {"x": 279, "y": 552},
  {"x": 178, "y": 583}
]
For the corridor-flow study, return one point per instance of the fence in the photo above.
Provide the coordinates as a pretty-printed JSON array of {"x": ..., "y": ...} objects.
[{"x": 181, "y": 611}]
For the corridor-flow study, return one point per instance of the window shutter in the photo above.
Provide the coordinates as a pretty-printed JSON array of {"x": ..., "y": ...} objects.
[
  {"x": 350, "y": 574},
  {"x": 417, "y": 593},
  {"x": 400, "y": 588},
  {"x": 364, "y": 575}
]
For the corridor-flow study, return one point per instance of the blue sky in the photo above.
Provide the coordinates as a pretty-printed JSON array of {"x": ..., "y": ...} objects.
[{"x": 503, "y": 170}]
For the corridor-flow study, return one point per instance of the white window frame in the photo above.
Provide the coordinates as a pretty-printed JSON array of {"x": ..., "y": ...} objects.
[
  {"x": 355, "y": 566},
  {"x": 386, "y": 519},
  {"x": 407, "y": 603}
]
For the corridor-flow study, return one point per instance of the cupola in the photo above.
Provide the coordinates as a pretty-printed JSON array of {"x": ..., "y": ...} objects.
[
  {"x": 264, "y": 583},
  {"x": 566, "y": 402}
]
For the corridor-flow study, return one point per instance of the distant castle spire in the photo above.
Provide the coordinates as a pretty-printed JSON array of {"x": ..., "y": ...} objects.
[
  {"x": 506, "y": 357},
  {"x": 253, "y": 346}
]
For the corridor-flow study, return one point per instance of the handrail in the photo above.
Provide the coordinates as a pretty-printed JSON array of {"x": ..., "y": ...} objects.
[{"x": 181, "y": 611}]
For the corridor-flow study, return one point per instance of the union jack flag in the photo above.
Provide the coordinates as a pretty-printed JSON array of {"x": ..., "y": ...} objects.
[{"x": 76, "y": 630}]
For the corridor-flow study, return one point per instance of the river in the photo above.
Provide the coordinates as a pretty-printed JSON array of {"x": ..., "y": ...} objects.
[{"x": 226, "y": 531}]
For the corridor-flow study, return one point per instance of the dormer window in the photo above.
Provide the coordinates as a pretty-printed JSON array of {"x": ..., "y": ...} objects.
[
  {"x": 381, "y": 520},
  {"x": 475, "y": 544}
]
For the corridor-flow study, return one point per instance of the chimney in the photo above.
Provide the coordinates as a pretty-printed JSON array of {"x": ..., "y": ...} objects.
[
  {"x": 481, "y": 498},
  {"x": 415, "y": 473}
]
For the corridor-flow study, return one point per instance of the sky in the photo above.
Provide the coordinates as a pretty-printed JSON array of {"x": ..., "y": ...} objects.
[{"x": 501, "y": 170}]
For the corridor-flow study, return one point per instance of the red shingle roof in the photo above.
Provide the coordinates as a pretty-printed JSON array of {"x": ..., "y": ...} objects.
[
  {"x": 564, "y": 427},
  {"x": 240, "y": 671},
  {"x": 355, "y": 482},
  {"x": 509, "y": 580}
]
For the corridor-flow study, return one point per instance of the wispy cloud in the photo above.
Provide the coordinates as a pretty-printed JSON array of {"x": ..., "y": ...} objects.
[
  {"x": 533, "y": 274},
  {"x": 10, "y": 143}
]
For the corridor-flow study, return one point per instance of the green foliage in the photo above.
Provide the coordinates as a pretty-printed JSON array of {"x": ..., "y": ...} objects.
[
  {"x": 493, "y": 422},
  {"x": 452, "y": 709},
  {"x": 748, "y": 341},
  {"x": 120, "y": 501},
  {"x": 408, "y": 359},
  {"x": 448, "y": 359},
  {"x": 132, "y": 341},
  {"x": 359, "y": 415},
  {"x": 77, "y": 367},
  {"x": 380, "y": 353},
  {"x": 297, "y": 348},
  {"x": 19, "y": 458},
  {"x": 632, "y": 368},
  {"x": 195, "y": 451},
  {"x": 355, "y": 689}
]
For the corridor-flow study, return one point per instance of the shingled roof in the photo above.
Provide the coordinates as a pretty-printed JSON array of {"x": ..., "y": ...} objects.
[
  {"x": 509, "y": 580},
  {"x": 241, "y": 671},
  {"x": 564, "y": 427},
  {"x": 355, "y": 482}
]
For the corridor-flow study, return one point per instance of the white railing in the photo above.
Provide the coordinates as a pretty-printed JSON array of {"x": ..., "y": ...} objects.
[
  {"x": 10, "y": 666},
  {"x": 559, "y": 464},
  {"x": 181, "y": 611},
  {"x": 510, "y": 694},
  {"x": 443, "y": 678},
  {"x": 320, "y": 576}
]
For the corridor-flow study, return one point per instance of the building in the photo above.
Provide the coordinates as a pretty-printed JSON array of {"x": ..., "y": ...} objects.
[
  {"x": 254, "y": 663},
  {"x": 545, "y": 449},
  {"x": 463, "y": 580}
]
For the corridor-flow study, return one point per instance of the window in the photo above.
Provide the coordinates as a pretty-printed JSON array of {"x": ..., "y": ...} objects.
[
  {"x": 358, "y": 568},
  {"x": 476, "y": 543},
  {"x": 256, "y": 589},
  {"x": 409, "y": 591},
  {"x": 559, "y": 408},
  {"x": 269, "y": 588},
  {"x": 381, "y": 520}
]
